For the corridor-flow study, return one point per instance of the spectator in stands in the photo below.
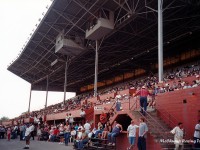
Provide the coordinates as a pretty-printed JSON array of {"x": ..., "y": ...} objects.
[
  {"x": 194, "y": 83},
  {"x": 178, "y": 132},
  {"x": 76, "y": 127},
  {"x": 152, "y": 102},
  {"x": 99, "y": 129},
  {"x": 71, "y": 119},
  {"x": 55, "y": 134},
  {"x": 51, "y": 133},
  {"x": 78, "y": 138},
  {"x": 67, "y": 130},
  {"x": 84, "y": 139},
  {"x": 115, "y": 132},
  {"x": 80, "y": 126},
  {"x": 87, "y": 127},
  {"x": 143, "y": 129},
  {"x": 197, "y": 136},
  {"x": 103, "y": 118},
  {"x": 111, "y": 113},
  {"x": 73, "y": 134},
  {"x": 143, "y": 92},
  {"x": 187, "y": 85},
  {"x": 67, "y": 118},
  {"x": 131, "y": 134},
  {"x": 197, "y": 79},
  {"x": 83, "y": 115},
  {"x": 107, "y": 129},
  {"x": 118, "y": 103}
]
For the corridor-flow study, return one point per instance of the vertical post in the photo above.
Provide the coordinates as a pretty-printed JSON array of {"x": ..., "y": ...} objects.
[
  {"x": 30, "y": 99},
  {"x": 160, "y": 40},
  {"x": 96, "y": 68},
  {"x": 65, "y": 84},
  {"x": 47, "y": 89}
]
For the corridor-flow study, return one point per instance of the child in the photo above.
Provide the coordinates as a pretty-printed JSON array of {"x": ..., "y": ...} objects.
[
  {"x": 8, "y": 133},
  {"x": 39, "y": 133}
]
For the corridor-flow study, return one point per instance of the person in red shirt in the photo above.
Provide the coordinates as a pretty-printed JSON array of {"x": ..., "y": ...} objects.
[
  {"x": 103, "y": 118},
  {"x": 55, "y": 134},
  {"x": 143, "y": 93}
]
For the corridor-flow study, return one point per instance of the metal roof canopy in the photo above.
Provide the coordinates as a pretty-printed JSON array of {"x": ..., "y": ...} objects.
[{"x": 132, "y": 44}]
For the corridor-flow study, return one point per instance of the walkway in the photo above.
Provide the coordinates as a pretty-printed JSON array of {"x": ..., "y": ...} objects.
[{"x": 34, "y": 145}]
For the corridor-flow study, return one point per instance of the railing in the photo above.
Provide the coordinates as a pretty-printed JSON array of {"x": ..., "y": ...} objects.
[
  {"x": 134, "y": 106},
  {"x": 171, "y": 120},
  {"x": 156, "y": 126},
  {"x": 112, "y": 106}
]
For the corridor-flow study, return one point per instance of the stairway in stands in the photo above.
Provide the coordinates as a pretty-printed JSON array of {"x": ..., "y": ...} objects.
[{"x": 159, "y": 130}]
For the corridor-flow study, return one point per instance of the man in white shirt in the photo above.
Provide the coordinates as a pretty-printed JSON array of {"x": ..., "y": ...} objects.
[
  {"x": 131, "y": 134},
  {"x": 87, "y": 127},
  {"x": 197, "y": 136},
  {"x": 178, "y": 136},
  {"x": 29, "y": 129}
]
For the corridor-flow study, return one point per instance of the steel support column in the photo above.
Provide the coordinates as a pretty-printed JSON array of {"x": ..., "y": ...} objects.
[
  {"x": 30, "y": 99},
  {"x": 47, "y": 90},
  {"x": 96, "y": 68},
  {"x": 160, "y": 40},
  {"x": 65, "y": 84}
]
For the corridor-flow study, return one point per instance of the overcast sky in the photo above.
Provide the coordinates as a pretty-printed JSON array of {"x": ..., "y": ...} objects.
[{"x": 18, "y": 19}]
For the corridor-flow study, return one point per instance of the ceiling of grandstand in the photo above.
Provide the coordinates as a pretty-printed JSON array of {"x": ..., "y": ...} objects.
[{"x": 132, "y": 44}]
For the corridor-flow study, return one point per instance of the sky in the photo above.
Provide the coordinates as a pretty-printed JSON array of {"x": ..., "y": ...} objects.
[{"x": 18, "y": 19}]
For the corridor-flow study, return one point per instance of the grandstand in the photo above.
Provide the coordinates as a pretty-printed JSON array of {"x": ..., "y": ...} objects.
[{"x": 118, "y": 41}]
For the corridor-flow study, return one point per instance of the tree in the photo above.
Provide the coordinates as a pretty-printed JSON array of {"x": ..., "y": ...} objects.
[{"x": 4, "y": 118}]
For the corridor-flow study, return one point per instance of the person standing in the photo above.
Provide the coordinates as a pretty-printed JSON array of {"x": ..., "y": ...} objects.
[
  {"x": 83, "y": 115},
  {"x": 67, "y": 130},
  {"x": 32, "y": 131},
  {"x": 178, "y": 132},
  {"x": 87, "y": 127},
  {"x": 197, "y": 136},
  {"x": 28, "y": 136},
  {"x": 15, "y": 132},
  {"x": 143, "y": 129},
  {"x": 21, "y": 128},
  {"x": 71, "y": 119},
  {"x": 143, "y": 92},
  {"x": 3, "y": 131},
  {"x": 67, "y": 118},
  {"x": 131, "y": 134},
  {"x": 8, "y": 133}
]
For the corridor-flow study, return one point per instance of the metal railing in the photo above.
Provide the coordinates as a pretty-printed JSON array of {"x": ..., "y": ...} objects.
[{"x": 157, "y": 128}]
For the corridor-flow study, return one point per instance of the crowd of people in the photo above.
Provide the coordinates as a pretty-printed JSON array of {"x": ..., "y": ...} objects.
[{"x": 80, "y": 132}]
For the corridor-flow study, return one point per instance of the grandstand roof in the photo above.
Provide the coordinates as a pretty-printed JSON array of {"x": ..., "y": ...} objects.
[{"x": 132, "y": 44}]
